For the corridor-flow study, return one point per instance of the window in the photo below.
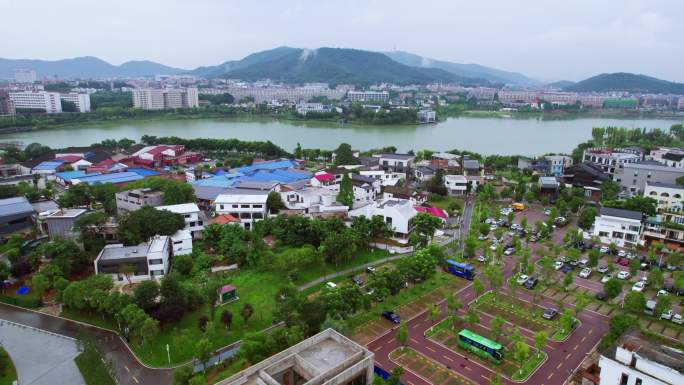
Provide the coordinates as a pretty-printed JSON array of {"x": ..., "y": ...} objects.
[
  {"x": 244, "y": 206},
  {"x": 624, "y": 379},
  {"x": 257, "y": 206},
  {"x": 177, "y": 242},
  {"x": 157, "y": 261},
  {"x": 638, "y": 381},
  {"x": 221, "y": 207},
  {"x": 235, "y": 206},
  {"x": 257, "y": 216}
]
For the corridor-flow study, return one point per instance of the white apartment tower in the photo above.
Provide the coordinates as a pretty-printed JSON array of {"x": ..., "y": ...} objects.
[
  {"x": 159, "y": 99},
  {"x": 49, "y": 102}
]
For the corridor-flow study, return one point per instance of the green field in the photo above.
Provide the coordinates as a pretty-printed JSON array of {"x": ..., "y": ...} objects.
[
  {"x": 10, "y": 373},
  {"x": 93, "y": 369}
]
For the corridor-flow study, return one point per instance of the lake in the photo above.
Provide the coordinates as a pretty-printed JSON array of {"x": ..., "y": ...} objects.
[{"x": 503, "y": 136}]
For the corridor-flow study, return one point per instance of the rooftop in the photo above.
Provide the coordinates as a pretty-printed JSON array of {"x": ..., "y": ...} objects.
[
  {"x": 68, "y": 213},
  {"x": 183, "y": 208},
  {"x": 390, "y": 155},
  {"x": 118, "y": 251},
  {"x": 621, "y": 213},
  {"x": 14, "y": 206},
  {"x": 634, "y": 343},
  {"x": 230, "y": 197}
]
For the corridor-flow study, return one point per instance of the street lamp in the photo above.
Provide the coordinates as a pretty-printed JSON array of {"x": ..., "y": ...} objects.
[{"x": 168, "y": 353}]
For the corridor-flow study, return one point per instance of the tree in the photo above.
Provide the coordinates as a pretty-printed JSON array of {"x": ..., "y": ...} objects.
[
  {"x": 346, "y": 194},
  {"x": 567, "y": 280},
  {"x": 246, "y": 312},
  {"x": 182, "y": 375},
  {"x": 522, "y": 352},
  {"x": 402, "y": 334},
  {"x": 182, "y": 264},
  {"x": 656, "y": 278},
  {"x": 433, "y": 312},
  {"x": 344, "y": 155},
  {"x": 540, "y": 339},
  {"x": 581, "y": 302},
  {"x": 478, "y": 286},
  {"x": 145, "y": 294},
  {"x": 471, "y": 317},
  {"x": 496, "y": 325},
  {"x": 635, "y": 302},
  {"x": 140, "y": 225},
  {"x": 424, "y": 227},
  {"x": 609, "y": 190},
  {"x": 39, "y": 283},
  {"x": 453, "y": 304},
  {"x": 634, "y": 265},
  {"x": 127, "y": 270},
  {"x": 567, "y": 321},
  {"x": 663, "y": 304},
  {"x": 227, "y": 318},
  {"x": 274, "y": 202},
  {"x": 203, "y": 351},
  {"x": 298, "y": 151},
  {"x": 612, "y": 288},
  {"x": 149, "y": 330},
  {"x": 495, "y": 277},
  {"x": 586, "y": 218}
]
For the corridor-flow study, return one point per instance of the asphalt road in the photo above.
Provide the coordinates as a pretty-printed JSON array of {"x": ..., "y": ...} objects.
[{"x": 129, "y": 370}]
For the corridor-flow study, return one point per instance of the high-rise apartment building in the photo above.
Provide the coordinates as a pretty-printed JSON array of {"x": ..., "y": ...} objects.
[
  {"x": 82, "y": 101},
  {"x": 49, "y": 102},
  {"x": 23, "y": 75},
  {"x": 6, "y": 104},
  {"x": 159, "y": 99}
]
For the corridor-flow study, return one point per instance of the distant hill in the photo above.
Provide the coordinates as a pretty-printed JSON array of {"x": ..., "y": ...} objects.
[
  {"x": 463, "y": 70},
  {"x": 332, "y": 65},
  {"x": 84, "y": 67},
  {"x": 559, "y": 84},
  {"x": 628, "y": 82}
]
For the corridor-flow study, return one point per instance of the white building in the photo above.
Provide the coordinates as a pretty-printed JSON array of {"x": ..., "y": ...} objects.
[
  {"x": 194, "y": 221},
  {"x": 312, "y": 200},
  {"x": 304, "y": 108},
  {"x": 395, "y": 162},
  {"x": 397, "y": 213},
  {"x": 149, "y": 260},
  {"x": 82, "y": 101},
  {"x": 368, "y": 96},
  {"x": 622, "y": 227},
  {"x": 669, "y": 196},
  {"x": 159, "y": 99},
  {"x": 248, "y": 207},
  {"x": 387, "y": 178},
  {"x": 456, "y": 184},
  {"x": 610, "y": 161},
  {"x": 24, "y": 75},
  {"x": 50, "y": 102},
  {"x": 426, "y": 116},
  {"x": 637, "y": 360},
  {"x": 181, "y": 243}
]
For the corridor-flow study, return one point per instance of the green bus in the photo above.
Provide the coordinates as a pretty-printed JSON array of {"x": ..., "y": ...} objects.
[{"x": 481, "y": 346}]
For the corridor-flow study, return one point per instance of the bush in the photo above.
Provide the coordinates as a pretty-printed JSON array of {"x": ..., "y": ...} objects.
[{"x": 29, "y": 302}]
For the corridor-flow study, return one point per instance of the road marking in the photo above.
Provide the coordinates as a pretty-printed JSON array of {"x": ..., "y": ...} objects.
[
  {"x": 568, "y": 356},
  {"x": 413, "y": 340},
  {"x": 576, "y": 346},
  {"x": 549, "y": 377},
  {"x": 447, "y": 358},
  {"x": 468, "y": 368},
  {"x": 136, "y": 380},
  {"x": 485, "y": 377},
  {"x": 584, "y": 338},
  {"x": 430, "y": 349},
  {"x": 590, "y": 331},
  {"x": 559, "y": 365},
  {"x": 126, "y": 367},
  {"x": 411, "y": 383},
  {"x": 415, "y": 326},
  {"x": 378, "y": 348}
]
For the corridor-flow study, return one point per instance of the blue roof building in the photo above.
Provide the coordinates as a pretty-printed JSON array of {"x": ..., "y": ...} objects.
[
  {"x": 270, "y": 165},
  {"x": 47, "y": 167},
  {"x": 114, "y": 178},
  {"x": 145, "y": 172}
]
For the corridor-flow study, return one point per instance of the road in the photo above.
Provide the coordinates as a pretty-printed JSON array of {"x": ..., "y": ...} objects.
[{"x": 129, "y": 370}]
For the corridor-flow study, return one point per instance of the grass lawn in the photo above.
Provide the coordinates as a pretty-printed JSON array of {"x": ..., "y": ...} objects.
[
  {"x": 93, "y": 370},
  {"x": 10, "y": 373},
  {"x": 444, "y": 202},
  {"x": 314, "y": 272}
]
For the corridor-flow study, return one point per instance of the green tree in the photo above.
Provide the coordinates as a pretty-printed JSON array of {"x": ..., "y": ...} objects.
[
  {"x": 540, "y": 339},
  {"x": 145, "y": 294},
  {"x": 274, "y": 202},
  {"x": 567, "y": 321},
  {"x": 298, "y": 151},
  {"x": 612, "y": 288},
  {"x": 344, "y": 155},
  {"x": 247, "y": 312},
  {"x": 567, "y": 280},
  {"x": 140, "y": 225},
  {"x": 478, "y": 286},
  {"x": 521, "y": 354},
  {"x": 586, "y": 218},
  {"x": 203, "y": 351},
  {"x": 433, "y": 312},
  {"x": 663, "y": 303},
  {"x": 635, "y": 302},
  {"x": 346, "y": 193},
  {"x": 424, "y": 227},
  {"x": 609, "y": 190},
  {"x": 496, "y": 326},
  {"x": 402, "y": 334}
]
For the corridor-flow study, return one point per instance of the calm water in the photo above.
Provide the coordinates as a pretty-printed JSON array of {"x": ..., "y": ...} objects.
[{"x": 483, "y": 135}]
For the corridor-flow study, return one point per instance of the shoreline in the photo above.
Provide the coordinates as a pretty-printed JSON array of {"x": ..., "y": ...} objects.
[{"x": 475, "y": 114}]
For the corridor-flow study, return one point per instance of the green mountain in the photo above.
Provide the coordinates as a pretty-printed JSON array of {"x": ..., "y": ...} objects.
[
  {"x": 87, "y": 67},
  {"x": 463, "y": 70},
  {"x": 332, "y": 65},
  {"x": 622, "y": 81}
]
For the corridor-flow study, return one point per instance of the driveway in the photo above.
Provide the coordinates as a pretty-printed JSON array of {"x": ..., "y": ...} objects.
[{"x": 40, "y": 358}]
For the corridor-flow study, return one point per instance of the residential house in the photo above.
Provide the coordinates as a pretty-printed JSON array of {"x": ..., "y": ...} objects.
[
  {"x": 636, "y": 359},
  {"x": 181, "y": 243},
  {"x": 194, "y": 218},
  {"x": 673, "y": 159},
  {"x": 539, "y": 165},
  {"x": 585, "y": 174},
  {"x": 366, "y": 189},
  {"x": 456, "y": 184},
  {"x": 445, "y": 160},
  {"x": 61, "y": 223},
  {"x": 424, "y": 173},
  {"x": 633, "y": 177},
  {"x": 666, "y": 228},
  {"x": 249, "y": 207},
  {"x": 164, "y": 155},
  {"x": 402, "y": 192},
  {"x": 398, "y": 214},
  {"x": 15, "y": 215},
  {"x": 472, "y": 167},
  {"x": 149, "y": 260},
  {"x": 549, "y": 186},
  {"x": 668, "y": 195},
  {"x": 393, "y": 162},
  {"x": 619, "y": 226},
  {"x": 612, "y": 160},
  {"x": 310, "y": 200},
  {"x": 386, "y": 178},
  {"x": 557, "y": 164},
  {"x": 132, "y": 200},
  {"x": 426, "y": 116}
]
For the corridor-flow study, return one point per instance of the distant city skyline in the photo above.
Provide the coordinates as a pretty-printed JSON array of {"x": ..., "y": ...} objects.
[{"x": 541, "y": 39}]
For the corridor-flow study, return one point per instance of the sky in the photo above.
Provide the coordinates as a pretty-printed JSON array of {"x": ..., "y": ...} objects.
[{"x": 544, "y": 39}]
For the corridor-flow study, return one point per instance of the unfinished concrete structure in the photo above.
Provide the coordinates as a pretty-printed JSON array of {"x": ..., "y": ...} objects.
[{"x": 328, "y": 358}]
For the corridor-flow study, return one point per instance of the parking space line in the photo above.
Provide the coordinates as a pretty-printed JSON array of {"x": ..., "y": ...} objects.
[
  {"x": 468, "y": 368},
  {"x": 568, "y": 356},
  {"x": 549, "y": 377},
  {"x": 584, "y": 338},
  {"x": 136, "y": 380},
  {"x": 559, "y": 365},
  {"x": 590, "y": 331},
  {"x": 448, "y": 358},
  {"x": 413, "y": 340},
  {"x": 576, "y": 346},
  {"x": 430, "y": 349},
  {"x": 126, "y": 367}
]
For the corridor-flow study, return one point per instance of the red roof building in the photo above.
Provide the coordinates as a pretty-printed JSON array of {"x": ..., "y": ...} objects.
[{"x": 434, "y": 211}]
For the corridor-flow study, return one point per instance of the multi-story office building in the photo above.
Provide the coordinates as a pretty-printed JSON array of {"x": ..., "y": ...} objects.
[
  {"x": 132, "y": 200},
  {"x": 622, "y": 227},
  {"x": 24, "y": 75},
  {"x": 368, "y": 96},
  {"x": 633, "y": 177},
  {"x": 248, "y": 207},
  {"x": 194, "y": 219},
  {"x": 327, "y": 358},
  {"x": 159, "y": 99},
  {"x": 6, "y": 104},
  {"x": 593, "y": 101},
  {"x": 49, "y": 102},
  {"x": 82, "y": 101},
  {"x": 668, "y": 195},
  {"x": 680, "y": 103}
]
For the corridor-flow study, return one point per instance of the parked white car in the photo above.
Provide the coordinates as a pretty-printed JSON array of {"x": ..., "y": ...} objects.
[
  {"x": 604, "y": 249},
  {"x": 606, "y": 278},
  {"x": 678, "y": 319},
  {"x": 661, "y": 293},
  {"x": 521, "y": 279},
  {"x": 622, "y": 254},
  {"x": 667, "y": 314},
  {"x": 602, "y": 268},
  {"x": 558, "y": 265},
  {"x": 639, "y": 286},
  {"x": 585, "y": 273},
  {"x": 623, "y": 275}
]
